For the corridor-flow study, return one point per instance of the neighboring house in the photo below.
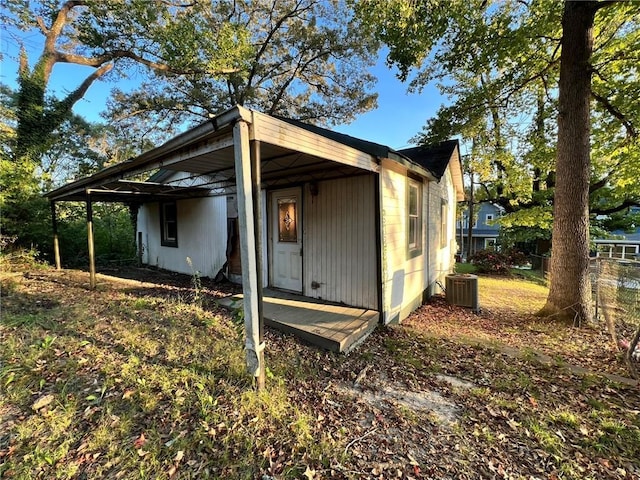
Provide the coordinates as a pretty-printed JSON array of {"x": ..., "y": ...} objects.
[
  {"x": 484, "y": 231},
  {"x": 343, "y": 220},
  {"x": 622, "y": 245}
]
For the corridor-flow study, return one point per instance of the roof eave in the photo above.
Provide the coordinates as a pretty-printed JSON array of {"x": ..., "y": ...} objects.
[{"x": 145, "y": 159}]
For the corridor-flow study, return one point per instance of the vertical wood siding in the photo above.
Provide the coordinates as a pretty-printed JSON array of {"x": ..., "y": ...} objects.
[
  {"x": 339, "y": 242},
  {"x": 401, "y": 280},
  {"x": 202, "y": 236}
]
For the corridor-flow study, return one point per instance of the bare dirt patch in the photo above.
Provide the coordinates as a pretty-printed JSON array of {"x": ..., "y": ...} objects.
[{"x": 385, "y": 394}]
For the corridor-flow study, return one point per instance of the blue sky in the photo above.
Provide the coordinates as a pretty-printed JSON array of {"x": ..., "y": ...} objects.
[{"x": 399, "y": 115}]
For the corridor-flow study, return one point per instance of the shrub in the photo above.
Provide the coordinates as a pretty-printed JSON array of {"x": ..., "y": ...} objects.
[
  {"x": 516, "y": 258},
  {"x": 14, "y": 258},
  {"x": 491, "y": 261}
]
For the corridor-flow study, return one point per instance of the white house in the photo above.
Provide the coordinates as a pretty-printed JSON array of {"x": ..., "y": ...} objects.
[{"x": 333, "y": 217}]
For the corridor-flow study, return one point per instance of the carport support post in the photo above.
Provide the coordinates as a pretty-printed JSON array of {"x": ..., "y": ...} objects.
[
  {"x": 56, "y": 243},
  {"x": 257, "y": 227},
  {"x": 92, "y": 258},
  {"x": 248, "y": 240}
]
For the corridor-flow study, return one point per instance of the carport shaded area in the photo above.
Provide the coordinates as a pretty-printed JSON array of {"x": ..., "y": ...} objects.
[{"x": 221, "y": 157}]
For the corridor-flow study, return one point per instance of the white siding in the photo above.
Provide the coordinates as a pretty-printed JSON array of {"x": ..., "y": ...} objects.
[
  {"x": 406, "y": 280},
  {"x": 339, "y": 242},
  {"x": 202, "y": 236},
  {"x": 441, "y": 256}
]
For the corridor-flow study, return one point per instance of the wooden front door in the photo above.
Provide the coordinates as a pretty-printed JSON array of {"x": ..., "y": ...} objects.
[{"x": 286, "y": 239}]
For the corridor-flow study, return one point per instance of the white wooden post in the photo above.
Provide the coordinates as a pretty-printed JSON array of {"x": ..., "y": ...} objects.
[
  {"x": 250, "y": 285},
  {"x": 257, "y": 231}
]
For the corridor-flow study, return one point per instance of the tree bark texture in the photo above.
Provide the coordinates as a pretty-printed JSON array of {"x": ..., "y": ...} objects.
[{"x": 570, "y": 290}]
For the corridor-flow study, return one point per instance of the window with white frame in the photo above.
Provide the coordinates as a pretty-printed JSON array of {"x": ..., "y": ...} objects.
[
  {"x": 414, "y": 217},
  {"x": 168, "y": 224},
  {"x": 489, "y": 218},
  {"x": 490, "y": 243}
]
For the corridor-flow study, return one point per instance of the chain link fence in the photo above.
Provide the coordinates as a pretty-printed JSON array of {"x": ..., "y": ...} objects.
[{"x": 616, "y": 288}]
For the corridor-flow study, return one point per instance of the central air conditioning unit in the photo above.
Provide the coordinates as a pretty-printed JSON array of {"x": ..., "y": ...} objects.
[{"x": 462, "y": 290}]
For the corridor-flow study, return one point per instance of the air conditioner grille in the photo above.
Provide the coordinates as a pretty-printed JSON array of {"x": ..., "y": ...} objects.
[{"x": 462, "y": 290}]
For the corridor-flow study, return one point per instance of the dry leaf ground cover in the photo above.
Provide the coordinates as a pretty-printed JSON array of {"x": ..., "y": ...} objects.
[
  {"x": 508, "y": 320},
  {"x": 138, "y": 380}
]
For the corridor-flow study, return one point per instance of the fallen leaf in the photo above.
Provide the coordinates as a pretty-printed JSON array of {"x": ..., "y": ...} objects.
[
  {"x": 42, "y": 402},
  {"x": 140, "y": 441},
  {"x": 309, "y": 473},
  {"x": 513, "y": 424},
  {"x": 127, "y": 394}
]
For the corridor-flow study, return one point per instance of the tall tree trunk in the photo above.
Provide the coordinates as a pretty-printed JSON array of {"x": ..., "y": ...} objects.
[
  {"x": 539, "y": 140},
  {"x": 570, "y": 293}
]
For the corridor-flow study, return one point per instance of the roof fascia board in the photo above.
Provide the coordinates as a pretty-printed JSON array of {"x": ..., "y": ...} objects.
[
  {"x": 165, "y": 162},
  {"x": 271, "y": 130},
  {"x": 144, "y": 162},
  {"x": 410, "y": 166},
  {"x": 456, "y": 173}
]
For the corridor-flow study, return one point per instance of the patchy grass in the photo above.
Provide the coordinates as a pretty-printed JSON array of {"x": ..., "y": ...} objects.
[
  {"x": 135, "y": 381},
  {"x": 534, "y": 276}
]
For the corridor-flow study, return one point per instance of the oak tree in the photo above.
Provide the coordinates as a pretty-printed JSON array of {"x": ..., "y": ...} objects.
[
  {"x": 500, "y": 63},
  {"x": 309, "y": 61}
]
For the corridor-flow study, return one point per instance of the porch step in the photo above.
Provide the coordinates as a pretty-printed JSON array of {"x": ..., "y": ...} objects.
[{"x": 333, "y": 327}]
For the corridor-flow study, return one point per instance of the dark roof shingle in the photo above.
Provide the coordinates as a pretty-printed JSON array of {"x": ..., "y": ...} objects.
[{"x": 434, "y": 158}]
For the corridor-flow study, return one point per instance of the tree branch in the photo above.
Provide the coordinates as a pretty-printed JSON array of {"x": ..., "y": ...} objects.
[
  {"x": 604, "y": 4},
  {"x": 118, "y": 54},
  {"x": 42, "y": 26},
  {"x": 267, "y": 41},
  {"x": 300, "y": 67},
  {"x": 618, "y": 208},
  {"x": 23, "y": 67},
  {"x": 48, "y": 57},
  {"x": 59, "y": 23},
  {"x": 540, "y": 75},
  {"x": 62, "y": 108},
  {"x": 631, "y": 131},
  {"x": 79, "y": 92}
]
